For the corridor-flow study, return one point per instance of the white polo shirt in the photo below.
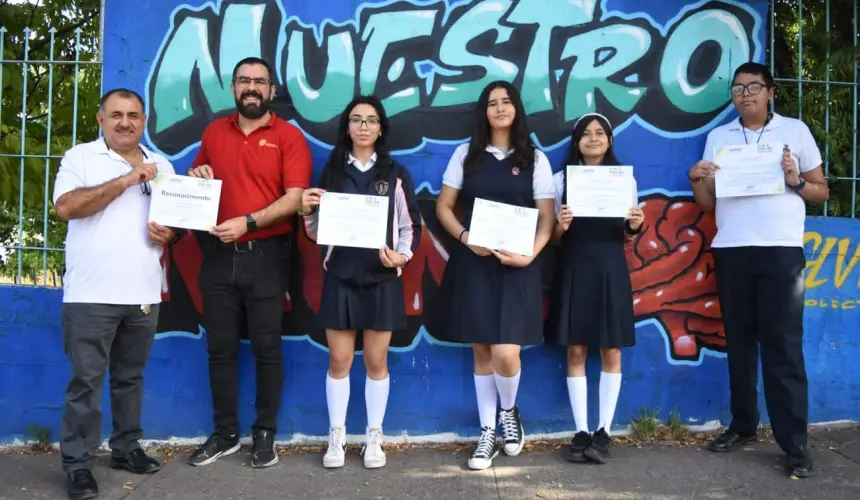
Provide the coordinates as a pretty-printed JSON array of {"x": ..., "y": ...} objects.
[
  {"x": 109, "y": 256},
  {"x": 768, "y": 220}
]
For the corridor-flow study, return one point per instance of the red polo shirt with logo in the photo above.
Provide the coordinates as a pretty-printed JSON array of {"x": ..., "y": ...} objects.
[{"x": 256, "y": 169}]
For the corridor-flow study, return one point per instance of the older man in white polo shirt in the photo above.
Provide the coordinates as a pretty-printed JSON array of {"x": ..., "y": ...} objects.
[
  {"x": 111, "y": 287},
  {"x": 759, "y": 263}
]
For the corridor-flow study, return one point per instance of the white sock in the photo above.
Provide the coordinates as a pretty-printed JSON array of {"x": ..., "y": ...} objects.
[
  {"x": 577, "y": 392},
  {"x": 610, "y": 386},
  {"x": 485, "y": 389},
  {"x": 376, "y": 399},
  {"x": 337, "y": 397},
  {"x": 507, "y": 387}
]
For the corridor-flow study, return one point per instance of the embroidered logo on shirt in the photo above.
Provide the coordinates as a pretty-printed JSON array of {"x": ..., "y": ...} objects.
[
  {"x": 515, "y": 170},
  {"x": 381, "y": 187},
  {"x": 268, "y": 144}
]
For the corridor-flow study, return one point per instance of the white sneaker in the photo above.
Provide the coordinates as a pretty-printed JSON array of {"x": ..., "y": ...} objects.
[
  {"x": 485, "y": 451},
  {"x": 335, "y": 456},
  {"x": 374, "y": 455}
]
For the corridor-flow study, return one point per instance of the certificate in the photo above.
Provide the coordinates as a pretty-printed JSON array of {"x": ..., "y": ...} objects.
[
  {"x": 749, "y": 170},
  {"x": 185, "y": 202},
  {"x": 353, "y": 220},
  {"x": 600, "y": 191},
  {"x": 498, "y": 226}
]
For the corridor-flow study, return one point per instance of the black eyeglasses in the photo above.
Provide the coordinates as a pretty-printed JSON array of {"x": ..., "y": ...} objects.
[
  {"x": 145, "y": 188},
  {"x": 753, "y": 88}
]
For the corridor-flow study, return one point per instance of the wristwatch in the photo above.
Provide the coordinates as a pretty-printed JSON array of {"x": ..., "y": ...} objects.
[
  {"x": 251, "y": 222},
  {"x": 798, "y": 186}
]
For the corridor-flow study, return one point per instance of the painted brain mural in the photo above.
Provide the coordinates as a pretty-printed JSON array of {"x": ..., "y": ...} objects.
[{"x": 659, "y": 72}]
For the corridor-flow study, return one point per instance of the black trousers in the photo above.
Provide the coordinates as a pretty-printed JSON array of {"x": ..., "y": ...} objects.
[
  {"x": 244, "y": 282},
  {"x": 97, "y": 337},
  {"x": 761, "y": 292}
]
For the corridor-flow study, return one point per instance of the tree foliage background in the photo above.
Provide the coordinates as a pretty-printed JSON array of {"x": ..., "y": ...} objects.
[{"x": 70, "y": 18}]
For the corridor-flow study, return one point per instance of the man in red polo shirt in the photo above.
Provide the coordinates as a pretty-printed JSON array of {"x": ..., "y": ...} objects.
[{"x": 264, "y": 164}]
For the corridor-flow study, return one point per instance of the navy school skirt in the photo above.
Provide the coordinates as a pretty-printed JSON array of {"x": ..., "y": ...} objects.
[
  {"x": 484, "y": 302},
  {"x": 379, "y": 306}
]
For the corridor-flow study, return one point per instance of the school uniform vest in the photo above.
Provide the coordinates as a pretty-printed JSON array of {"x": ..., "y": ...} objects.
[
  {"x": 496, "y": 180},
  {"x": 361, "y": 266}
]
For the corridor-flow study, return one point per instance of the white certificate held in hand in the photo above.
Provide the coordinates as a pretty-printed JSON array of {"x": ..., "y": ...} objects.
[
  {"x": 353, "y": 220},
  {"x": 749, "y": 170},
  {"x": 185, "y": 202},
  {"x": 498, "y": 226},
  {"x": 600, "y": 191}
]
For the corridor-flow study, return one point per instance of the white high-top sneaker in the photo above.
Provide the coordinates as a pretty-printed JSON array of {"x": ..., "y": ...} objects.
[
  {"x": 335, "y": 456},
  {"x": 374, "y": 455}
]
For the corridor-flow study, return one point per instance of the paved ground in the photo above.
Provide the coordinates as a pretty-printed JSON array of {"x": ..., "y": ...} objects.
[{"x": 654, "y": 473}]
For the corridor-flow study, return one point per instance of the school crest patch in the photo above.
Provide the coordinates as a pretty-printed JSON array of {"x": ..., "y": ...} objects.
[
  {"x": 381, "y": 187},
  {"x": 515, "y": 170}
]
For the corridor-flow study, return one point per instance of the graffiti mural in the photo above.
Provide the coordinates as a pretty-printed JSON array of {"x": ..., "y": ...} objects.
[{"x": 429, "y": 62}]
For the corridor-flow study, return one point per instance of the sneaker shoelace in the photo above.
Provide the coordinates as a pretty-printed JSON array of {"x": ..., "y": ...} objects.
[
  {"x": 485, "y": 443},
  {"x": 335, "y": 441},
  {"x": 508, "y": 422},
  {"x": 374, "y": 438}
]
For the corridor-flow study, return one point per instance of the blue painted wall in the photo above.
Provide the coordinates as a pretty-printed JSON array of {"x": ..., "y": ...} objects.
[{"x": 661, "y": 76}]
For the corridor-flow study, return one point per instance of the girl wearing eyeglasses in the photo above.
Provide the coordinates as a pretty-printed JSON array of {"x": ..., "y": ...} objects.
[
  {"x": 362, "y": 290},
  {"x": 492, "y": 298}
]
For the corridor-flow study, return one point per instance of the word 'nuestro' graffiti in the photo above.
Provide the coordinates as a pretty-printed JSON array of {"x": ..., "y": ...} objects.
[{"x": 429, "y": 61}]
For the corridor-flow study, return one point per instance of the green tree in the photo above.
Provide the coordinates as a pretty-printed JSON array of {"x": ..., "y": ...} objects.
[
  {"x": 821, "y": 48},
  {"x": 39, "y": 107}
]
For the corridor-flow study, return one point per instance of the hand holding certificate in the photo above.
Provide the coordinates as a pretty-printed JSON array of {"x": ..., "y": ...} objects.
[
  {"x": 498, "y": 226},
  {"x": 185, "y": 202},
  {"x": 749, "y": 170},
  {"x": 353, "y": 220},
  {"x": 600, "y": 191}
]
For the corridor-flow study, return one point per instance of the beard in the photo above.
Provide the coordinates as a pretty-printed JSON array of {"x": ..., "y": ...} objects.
[{"x": 251, "y": 111}]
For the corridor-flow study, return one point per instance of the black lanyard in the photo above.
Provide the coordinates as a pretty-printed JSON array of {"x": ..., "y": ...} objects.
[{"x": 744, "y": 130}]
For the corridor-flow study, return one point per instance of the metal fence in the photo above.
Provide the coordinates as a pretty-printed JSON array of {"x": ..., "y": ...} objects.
[{"x": 24, "y": 229}]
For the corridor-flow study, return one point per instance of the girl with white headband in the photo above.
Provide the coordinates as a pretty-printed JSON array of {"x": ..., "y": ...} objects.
[{"x": 591, "y": 304}]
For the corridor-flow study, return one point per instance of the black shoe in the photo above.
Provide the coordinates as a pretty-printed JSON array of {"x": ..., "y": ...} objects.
[
  {"x": 136, "y": 461},
  {"x": 214, "y": 448},
  {"x": 576, "y": 451},
  {"x": 82, "y": 485},
  {"x": 798, "y": 463},
  {"x": 512, "y": 431},
  {"x": 598, "y": 450},
  {"x": 263, "y": 453},
  {"x": 731, "y": 441}
]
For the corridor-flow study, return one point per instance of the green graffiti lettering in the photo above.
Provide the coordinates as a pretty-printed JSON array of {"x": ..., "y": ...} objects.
[
  {"x": 537, "y": 87},
  {"x": 717, "y": 26},
  {"x": 321, "y": 104},
  {"x": 481, "y": 18},
  {"x": 382, "y": 30},
  {"x": 189, "y": 48},
  {"x": 591, "y": 73}
]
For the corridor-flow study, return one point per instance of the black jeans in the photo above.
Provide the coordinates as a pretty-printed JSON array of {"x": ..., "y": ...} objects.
[
  {"x": 95, "y": 337},
  {"x": 761, "y": 292},
  {"x": 244, "y": 281}
]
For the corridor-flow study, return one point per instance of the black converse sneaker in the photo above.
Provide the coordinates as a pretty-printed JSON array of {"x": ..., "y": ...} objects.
[
  {"x": 485, "y": 451},
  {"x": 214, "y": 448},
  {"x": 512, "y": 431},
  {"x": 598, "y": 450},
  {"x": 576, "y": 451}
]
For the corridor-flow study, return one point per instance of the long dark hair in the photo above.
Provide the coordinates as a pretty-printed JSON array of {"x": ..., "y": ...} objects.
[
  {"x": 574, "y": 155},
  {"x": 334, "y": 170},
  {"x": 523, "y": 155}
]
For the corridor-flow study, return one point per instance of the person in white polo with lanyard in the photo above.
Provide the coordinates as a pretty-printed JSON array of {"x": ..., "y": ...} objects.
[
  {"x": 759, "y": 264},
  {"x": 111, "y": 287}
]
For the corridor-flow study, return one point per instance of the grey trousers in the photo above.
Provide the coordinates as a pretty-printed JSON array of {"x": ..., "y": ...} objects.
[{"x": 97, "y": 337}]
